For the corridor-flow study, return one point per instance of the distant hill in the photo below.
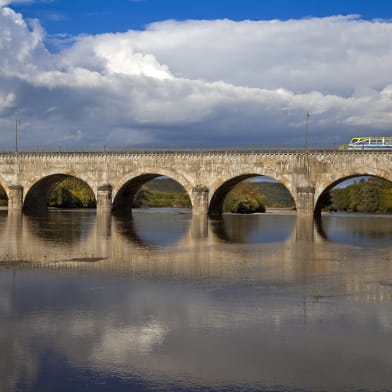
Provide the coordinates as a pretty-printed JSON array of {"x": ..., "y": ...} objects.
[
  {"x": 164, "y": 185},
  {"x": 275, "y": 194},
  {"x": 162, "y": 192}
]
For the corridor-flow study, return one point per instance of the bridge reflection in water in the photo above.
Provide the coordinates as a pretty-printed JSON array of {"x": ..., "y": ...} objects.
[
  {"x": 202, "y": 304},
  {"x": 191, "y": 245}
]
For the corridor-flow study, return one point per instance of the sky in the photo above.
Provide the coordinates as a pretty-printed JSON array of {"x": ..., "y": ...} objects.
[{"x": 183, "y": 73}]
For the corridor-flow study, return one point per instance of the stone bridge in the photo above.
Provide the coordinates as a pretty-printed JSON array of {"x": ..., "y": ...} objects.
[{"x": 207, "y": 176}]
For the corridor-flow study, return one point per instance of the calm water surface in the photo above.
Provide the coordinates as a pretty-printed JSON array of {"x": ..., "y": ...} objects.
[{"x": 163, "y": 301}]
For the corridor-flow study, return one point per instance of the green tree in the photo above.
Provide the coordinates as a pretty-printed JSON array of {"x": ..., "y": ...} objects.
[
  {"x": 3, "y": 197},
  {"x": 72, "y": 193},
  {"x": 367, "y": 195},
  {"x": 244, "y": 198},
  {"x": 340, "y": 201},
  {"x": 142, "y": 198}
]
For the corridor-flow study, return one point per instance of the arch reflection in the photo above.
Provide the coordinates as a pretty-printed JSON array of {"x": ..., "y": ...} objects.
[
  {"x": 250, "y": 229},
  {"x": 61, "y": 227},
  {"x": 153, "y": 227},
  {"x": 356, "y": 207}
]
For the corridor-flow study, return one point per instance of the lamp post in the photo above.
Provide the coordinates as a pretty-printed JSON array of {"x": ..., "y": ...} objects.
[
  {"x": 16, "y": 135},
  {"x": 307, "y": 132}
]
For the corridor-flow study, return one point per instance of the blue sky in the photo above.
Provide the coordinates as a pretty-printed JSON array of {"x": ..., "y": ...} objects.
[
  {"x": 100, "y": 16},
  {"x": 170, "y": 72}
]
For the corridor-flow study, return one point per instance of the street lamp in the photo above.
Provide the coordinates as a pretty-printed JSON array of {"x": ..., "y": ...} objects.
[
  {"x": 16, "y": 135},
  {"x": 307, "y": 131}
]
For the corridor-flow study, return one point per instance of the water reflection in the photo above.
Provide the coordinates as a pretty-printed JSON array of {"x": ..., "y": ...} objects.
[
  {"x": 154, "y": 227},
  {"x": 254, "y": 228},
  {"x": 61, "y": 226},
  {"x": 134, "y": 304},
  {"x": 358, "y": 229}
]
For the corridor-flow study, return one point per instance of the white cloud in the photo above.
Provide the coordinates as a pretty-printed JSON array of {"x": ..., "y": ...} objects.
[
  {"x": 199, "y": 82},
  {"x": 4, "y": 3}
]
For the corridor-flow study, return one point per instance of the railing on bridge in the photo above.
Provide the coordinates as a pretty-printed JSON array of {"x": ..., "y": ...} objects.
[{"x": 160, "y": 148}]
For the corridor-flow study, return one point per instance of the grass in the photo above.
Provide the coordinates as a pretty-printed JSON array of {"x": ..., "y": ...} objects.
[{"x": 316, "y": 295}]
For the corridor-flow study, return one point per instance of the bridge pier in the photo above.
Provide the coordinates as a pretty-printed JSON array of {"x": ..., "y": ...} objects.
[
  {"x": 304, "y": 228},
  {"x": 104, "y": 199},
  {"x": 15, "y": 198},
  {"x": 199, "y": 226},
  {"x": 200, "y": 200},
  {"x": 305, "y": 201}
]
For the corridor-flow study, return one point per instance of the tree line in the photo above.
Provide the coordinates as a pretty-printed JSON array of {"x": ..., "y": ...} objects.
[
  {"x": 146, "y": 199},
  {"x": 366, "y": 195},
  {"x": 244, "y": 198},
  {"x": 3, "y": 197},
  {"x": 72, "y": 193}
]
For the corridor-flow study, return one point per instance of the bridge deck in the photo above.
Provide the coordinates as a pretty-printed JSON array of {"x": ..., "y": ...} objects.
[{"x": 194, "y": 152}]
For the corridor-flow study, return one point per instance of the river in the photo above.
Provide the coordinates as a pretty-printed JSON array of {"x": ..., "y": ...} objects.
[{"x": 166, "y": 301}]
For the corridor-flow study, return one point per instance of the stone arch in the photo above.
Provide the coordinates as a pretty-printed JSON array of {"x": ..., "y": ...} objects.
[
  {"x": 223, "y": 186},
  {"x": 126, "y": 189},
  {"x": 38, "y": 190},
  {"x": 335, "y": 178}
]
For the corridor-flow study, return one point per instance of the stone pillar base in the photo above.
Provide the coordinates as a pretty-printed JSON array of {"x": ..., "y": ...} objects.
[
  {"x": 200, "y": 200},
  {"x": 104, "y": 198},
  {"x": 15, "y": 198},
  {"x": 305, "y": 201}
]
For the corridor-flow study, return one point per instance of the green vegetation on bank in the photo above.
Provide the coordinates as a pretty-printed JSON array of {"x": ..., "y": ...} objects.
[
  {"x": 3, "y": 198},
  {"x": 162, "y": 192},
  {"x": 367, "y": 195},
  {"x": 244, "y": 198},
  {"x": 275, "y": 194},
  {"x": 72, "y": 193},
  {"x": 145, "y": 199}
]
